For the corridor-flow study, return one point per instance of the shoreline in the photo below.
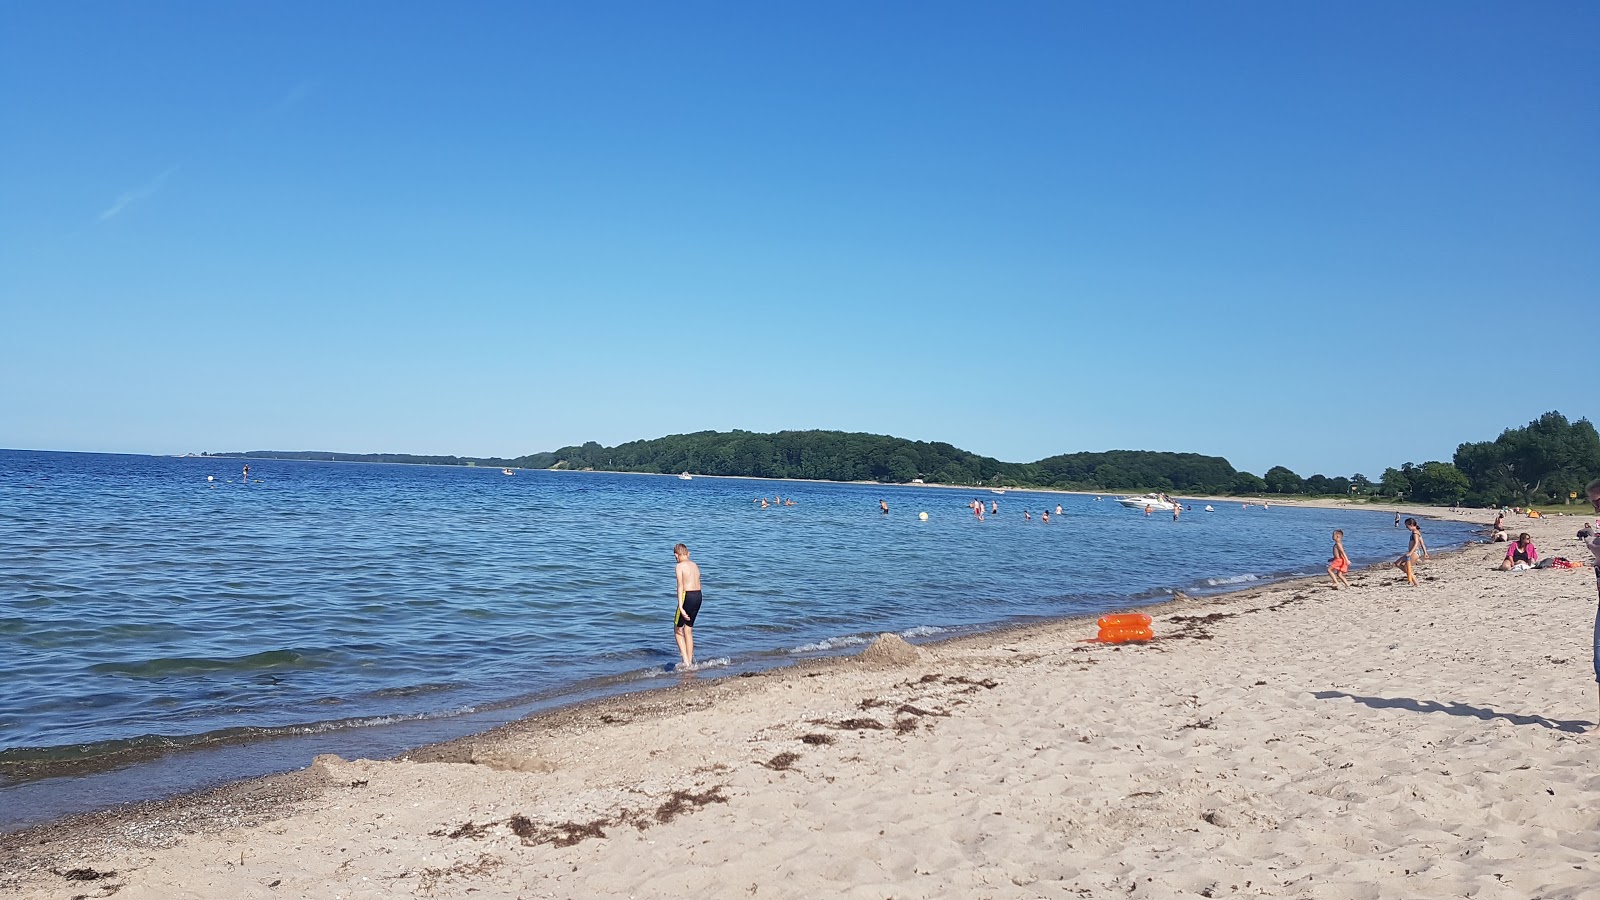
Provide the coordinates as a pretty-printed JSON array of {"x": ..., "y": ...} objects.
[
  {"x": 620, "y": 685},
  {"x": 258, "y": 800},
  {"x": 390, "y": 741}
]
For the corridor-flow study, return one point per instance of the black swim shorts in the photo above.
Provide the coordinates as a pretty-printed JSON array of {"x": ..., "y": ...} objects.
[{"x": 691, "y": 608}]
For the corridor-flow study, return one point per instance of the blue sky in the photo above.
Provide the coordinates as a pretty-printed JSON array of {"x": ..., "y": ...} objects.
[{"x": 1334, "y": 236}]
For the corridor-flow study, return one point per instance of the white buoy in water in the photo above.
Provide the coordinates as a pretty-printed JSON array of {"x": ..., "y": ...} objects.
[
  {"x": 211, "y": 478},
  {"x": 922, "y": 516}
]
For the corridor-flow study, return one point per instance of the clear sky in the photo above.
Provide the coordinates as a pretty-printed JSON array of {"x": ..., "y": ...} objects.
[{"x": 1330, "y": 236}]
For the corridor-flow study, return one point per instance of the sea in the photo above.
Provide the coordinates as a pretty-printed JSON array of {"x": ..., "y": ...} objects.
[{"x": 167, "y": 625}]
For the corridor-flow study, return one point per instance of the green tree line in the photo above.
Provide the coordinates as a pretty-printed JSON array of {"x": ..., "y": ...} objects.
[{"x": 1541, "y": 463}]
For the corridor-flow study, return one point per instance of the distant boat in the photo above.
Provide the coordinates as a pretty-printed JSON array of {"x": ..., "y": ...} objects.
[
  {"x": 1209, "y": 509},
  {"x": 507, "y": 472},
  {"x": 686, "y": 477},
  {"x": 1153, "y": 501},
  {"x": 997, "y": 490},
  {"x": 918, "y": 481}
]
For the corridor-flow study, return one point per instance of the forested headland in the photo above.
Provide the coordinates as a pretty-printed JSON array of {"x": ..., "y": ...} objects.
[{"x": 1544, "y": 462}]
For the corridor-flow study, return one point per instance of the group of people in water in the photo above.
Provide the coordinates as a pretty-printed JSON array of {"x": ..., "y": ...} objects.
[{"x": 778, "y": 501}]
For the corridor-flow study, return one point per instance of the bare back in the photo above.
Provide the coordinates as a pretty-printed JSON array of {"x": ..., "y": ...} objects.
[{"x": 688, "y": 575}]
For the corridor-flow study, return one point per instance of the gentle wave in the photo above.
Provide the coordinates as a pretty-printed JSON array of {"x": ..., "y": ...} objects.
[
  {"x": 185, "y": 665},
  {"x": 1231, "y": 579},
  {"x": 834, "y": 643}
]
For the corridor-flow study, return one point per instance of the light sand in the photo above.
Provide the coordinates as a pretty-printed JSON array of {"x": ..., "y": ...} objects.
[{"x": 1292, "y": 741}]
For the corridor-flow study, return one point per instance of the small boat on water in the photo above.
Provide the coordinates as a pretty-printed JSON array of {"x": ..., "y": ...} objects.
[
  {"x": 1153, "y": 501},
  {"x": 997, "y": 490},
  {"x": 685, "y": 477},
  {"x": 1209, "y": 509},
  {"x": 507, "y": 472}
]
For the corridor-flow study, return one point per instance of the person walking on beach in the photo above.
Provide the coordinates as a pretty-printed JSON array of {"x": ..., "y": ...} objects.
[
  {"x": 688, "y": 604},
  {"x": 1340, "y": 564},
  {"x": 1414, "y": 550}
]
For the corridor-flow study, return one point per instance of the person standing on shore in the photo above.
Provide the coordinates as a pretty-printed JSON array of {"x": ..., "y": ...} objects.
[
  {"x": 1340, "y": 564},
  {"x": 688, "y": 604},
  {"x": 1593, "y": 543}
]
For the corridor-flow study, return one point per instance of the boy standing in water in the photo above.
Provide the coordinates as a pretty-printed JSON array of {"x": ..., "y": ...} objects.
[
  {"x": 1340, "y": 564},
  {"x": 688, "y": 604}
]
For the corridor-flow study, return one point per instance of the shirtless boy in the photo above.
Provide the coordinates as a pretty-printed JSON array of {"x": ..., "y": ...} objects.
[{"x": 688, "y": 604}]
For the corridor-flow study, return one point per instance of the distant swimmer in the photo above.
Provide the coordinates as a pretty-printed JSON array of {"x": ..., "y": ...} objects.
[
  {"x": 246, "y": 473},
  {"x": 1045, "y": 517},
  {"x": 1397, "y": 519},
  {"x": 1175, "y": 510},
  {"x": 688, "y": 604},
  {"x": 1027, "y": 516},
  {"x": 764, "y": 503},
  {"x": 1147, "y": 509},
  {"x": 994, "y": 507},
  {"x": 1058, "y": 509},
  {"x": 883, "y": 507}
]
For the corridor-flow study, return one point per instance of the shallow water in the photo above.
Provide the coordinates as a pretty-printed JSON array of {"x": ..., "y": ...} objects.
[{"x": 149, "y": 615}]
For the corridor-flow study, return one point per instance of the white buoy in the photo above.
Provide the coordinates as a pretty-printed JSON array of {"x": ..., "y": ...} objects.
[
  {"x": 211, "y": 478},
  {"x": 922, "y": 516}
]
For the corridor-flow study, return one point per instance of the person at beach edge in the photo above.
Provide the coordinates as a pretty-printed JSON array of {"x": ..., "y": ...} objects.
[
  {"x": 688, "y": 604},
  {"x": 1593, "y": 543}
]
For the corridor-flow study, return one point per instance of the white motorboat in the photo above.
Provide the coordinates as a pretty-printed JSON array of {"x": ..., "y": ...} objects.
[
  {"x": 685, "y": 477},
  {"x": 1209, "y": 509},
  {"x": 507, "y": 472},
  {"x": 1153, "y": 501},
  {"x": 997, "y": 490}
]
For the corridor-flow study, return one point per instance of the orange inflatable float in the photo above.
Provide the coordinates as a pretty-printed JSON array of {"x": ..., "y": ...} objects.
[
  {"x": 1123, "y": 635},
  {"x": 1123, "y": 627},
  {"x": 1124, "y": 620}
]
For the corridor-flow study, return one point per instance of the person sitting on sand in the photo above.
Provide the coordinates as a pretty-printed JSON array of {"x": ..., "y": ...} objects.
[
  {"x": 1499, "y": 522},
  {"x": 1520, "y": 555},
  {"x": 1340, "y": 563}
]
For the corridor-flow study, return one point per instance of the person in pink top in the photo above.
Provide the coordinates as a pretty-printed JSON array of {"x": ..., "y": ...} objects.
[{"x": 1520, "y": 554}]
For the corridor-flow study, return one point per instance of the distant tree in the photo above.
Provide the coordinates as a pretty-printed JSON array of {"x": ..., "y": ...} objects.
[
  {"x": 1282, "y": 481},
  {"x": 1394, "y": 483},
  {"x": 1438, "y": 482},
  {"x": 1246, "y": 483},
  {"x": 1547, "y": 459},
  {"x": 1317, "y": 484},
  {"x": 1361, "y": 483},
  {"x": 1339, "y": 485}
]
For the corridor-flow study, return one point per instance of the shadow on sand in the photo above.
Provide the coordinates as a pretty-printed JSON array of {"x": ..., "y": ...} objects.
[{"x": 1453, "y": 709}]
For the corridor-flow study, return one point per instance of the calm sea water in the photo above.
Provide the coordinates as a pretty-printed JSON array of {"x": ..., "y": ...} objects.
[{"x": 164, "y": 624}]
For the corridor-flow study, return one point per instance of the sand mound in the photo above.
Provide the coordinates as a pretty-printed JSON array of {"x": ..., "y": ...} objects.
[{"x": 890, "y": 650}]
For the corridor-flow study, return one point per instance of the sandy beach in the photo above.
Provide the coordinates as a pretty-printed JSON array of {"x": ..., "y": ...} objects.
[{"x": 1290, "y": 741}]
